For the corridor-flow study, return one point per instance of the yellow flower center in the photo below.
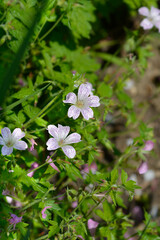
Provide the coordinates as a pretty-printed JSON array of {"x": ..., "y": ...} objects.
[{"x": 80, "y": 104}]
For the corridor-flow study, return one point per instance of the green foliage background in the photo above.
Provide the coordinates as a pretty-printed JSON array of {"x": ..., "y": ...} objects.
[{"x": 42, "y": 42}]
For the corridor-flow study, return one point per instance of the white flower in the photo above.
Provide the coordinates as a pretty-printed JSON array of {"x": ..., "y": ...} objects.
[
  {"x": 60, "y": 140},
  {"x": 152, "y": 18},
  {"x": 82, "y": 103},
  {"x": 11, "y": 140}
]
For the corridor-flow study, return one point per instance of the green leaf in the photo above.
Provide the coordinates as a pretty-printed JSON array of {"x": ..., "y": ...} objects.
[
  {"x": 105, "y": 90},
  {"x": 73, "y": 172},
  {"x": 53, "y": 229},
  {"x": 124, "y": 177},
  {"x": 114, "y": 176},
  {"x": 79, "y": 18}
]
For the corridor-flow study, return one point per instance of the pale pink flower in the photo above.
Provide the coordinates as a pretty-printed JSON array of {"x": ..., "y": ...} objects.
[
  {"x": 49, "y": 160},
  {"x": 33, "y": 166},
  {"x": 44, "y": 215},
  {"x": 92, "y": 225},
  {"x": 152, "y": 18},
  {"x": 82, "y": 102},
  {"x": 143, "y": 168},
  {"x": 149, "y": 145},
  {"x": 14, "y": 220},
  {"x": 11, "y": 140},
  {"x": 60, "y": 140},
  {"x": 74, "y": 204},
  {"x": 32, "y": 146}
]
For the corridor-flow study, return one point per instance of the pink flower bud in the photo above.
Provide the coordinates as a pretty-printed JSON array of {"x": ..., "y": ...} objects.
[
  {"x": 92, "y": 225},
  {"x": 148, "y": 145},
  {"x": 143, "y": 168},
  {"x": 49, "y": 160},
  {"x": 33, "y": 143},
  {"x": 33, "y": 166},
  {"x": 44, "y": 215},
  {"x": 74, "y": 204}
]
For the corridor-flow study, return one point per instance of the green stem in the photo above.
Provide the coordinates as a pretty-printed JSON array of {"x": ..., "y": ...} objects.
[
  {"x": 43, "y": 110},
  {"x": 51, "y": 29},
  {"x": 145, "y": 229}
]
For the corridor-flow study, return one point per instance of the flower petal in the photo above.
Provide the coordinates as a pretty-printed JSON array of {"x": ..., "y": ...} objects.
[
  {"x": 53, "y": 130},
  {"x": 7, "y": 150},
  {"x": 154, "y": 12},
  {"x": 1, "y": 141},
  {"x": 73, "y": 112},
  {"x": 157, "y": 25},
  {"x": 20, "y": 145},
  {"x": 146, "y": 24},
  {"x": 83, "y": 92},
  {"x": 73, "y": 138},
  {"x": 18, "y": 134},
  {"x": 6, "y": 133},
  {"x": 87, "y": 113},
  {"x": 93, "y": 101},
  {"x": 71, "y": 98},
  {"x": 69, "y": 151},
  {"x": 63, "y": 131},
  {"x": 52, "y": 144},
  {"x": 143, "y": 11}
]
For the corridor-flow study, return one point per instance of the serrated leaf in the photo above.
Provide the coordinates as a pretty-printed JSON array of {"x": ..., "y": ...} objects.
[
  {"x": 80, "y": 17},
  {"x": 53, "y": 229},
  {"x": 114, "y": 176},
  {"x": 124, "y": 177}
]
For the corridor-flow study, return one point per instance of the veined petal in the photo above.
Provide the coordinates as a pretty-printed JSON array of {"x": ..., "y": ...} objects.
[
  {"x": 83, "y": 92},
  {"x": 18, "y": 134},
  {"x": 63, "y": 131},
  {"x": 6, "y": 133},
  {"x": 69, "y": 151},
  {"x": 87, "y": 113},
  {"x": 20, "y": 145},
  {"x": 154, "y": 12},
  {"x": 71, "y": 98},
  {"x": 74, "y": 112},
  {"x": 143, "y": 11},
  {"x": 73, "y": 138},
  {"x": 7, "y": 150},
  {"x": 157, "y": 25},
  {"x": 1, "y": 141},
  {"x": 52, "y": 144},
  {"x": 93, "y": 101},
  {"x": 146, "y": 24},
  {"x": 53, "y": 130}
]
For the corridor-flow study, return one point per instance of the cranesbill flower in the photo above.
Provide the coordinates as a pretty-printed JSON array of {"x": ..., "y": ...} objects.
[
  {"x": 14, "y": 220},
  {"x": 11, "y": 140},
  {"x": 152, "y": 18},
  {"x": 82, "y": 102},
  {"x": 60, "y": 140}
]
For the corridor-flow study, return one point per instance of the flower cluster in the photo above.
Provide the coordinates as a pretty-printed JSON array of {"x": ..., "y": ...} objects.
[
  {"x": 152, "y": 18},
  {"x": 60, "y": 138}
]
